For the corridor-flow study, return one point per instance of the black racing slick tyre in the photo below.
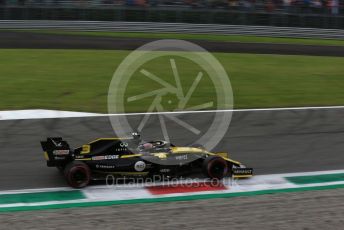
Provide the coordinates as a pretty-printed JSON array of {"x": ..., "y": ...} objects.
[
  {"x": 215, "y": 167},
  {"x": 77, "y": 174}
]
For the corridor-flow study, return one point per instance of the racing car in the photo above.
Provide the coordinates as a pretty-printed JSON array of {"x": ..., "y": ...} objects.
[{"x": 132, "y": 157}]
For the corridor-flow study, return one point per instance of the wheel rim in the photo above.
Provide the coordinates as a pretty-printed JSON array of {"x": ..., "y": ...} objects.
[
  {"x": 217, "y": 169},
  {"x": 79, "y": 177}
]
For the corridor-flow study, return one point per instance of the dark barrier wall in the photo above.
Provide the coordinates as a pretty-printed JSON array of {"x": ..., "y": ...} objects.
[{"x": 299, "y": 18}]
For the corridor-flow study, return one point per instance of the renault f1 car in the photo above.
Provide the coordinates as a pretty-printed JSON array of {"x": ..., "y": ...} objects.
[{"x": 130, "y": 157}]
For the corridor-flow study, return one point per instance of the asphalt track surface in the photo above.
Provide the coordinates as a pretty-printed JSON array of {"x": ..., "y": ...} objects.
[
  {"x": 268, "y": 141},
  {"x": 10, "y": 39},
  {"x": 297, "y": 211}
]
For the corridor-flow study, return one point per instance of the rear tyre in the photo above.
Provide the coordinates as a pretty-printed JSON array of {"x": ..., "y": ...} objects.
[
  {"x": 77, "y": 174},
  {"x": 215, "y": 167}
]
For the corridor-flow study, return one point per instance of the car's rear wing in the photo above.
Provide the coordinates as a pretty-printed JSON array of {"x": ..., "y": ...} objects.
[{"x": 56, "y": 151}]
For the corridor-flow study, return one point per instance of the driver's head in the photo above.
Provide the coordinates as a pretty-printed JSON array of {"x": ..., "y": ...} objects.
[{"x": 147, "y": 146}]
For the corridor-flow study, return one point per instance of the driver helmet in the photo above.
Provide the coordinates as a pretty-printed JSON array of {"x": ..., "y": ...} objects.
[{"x": 147, "y": 146}]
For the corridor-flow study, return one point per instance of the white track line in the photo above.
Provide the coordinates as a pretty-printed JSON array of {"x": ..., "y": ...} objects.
[
  {"x": 228, "y": 110},
  {"x": 53, "y": 114}
]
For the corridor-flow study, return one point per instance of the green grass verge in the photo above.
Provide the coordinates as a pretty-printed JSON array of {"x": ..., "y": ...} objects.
[
  {"x": 79, "y": 80},
  {"x": 208, "y": 37},
  {"x": 313, "y": 179},
  {"x": 41, "y": 197}
]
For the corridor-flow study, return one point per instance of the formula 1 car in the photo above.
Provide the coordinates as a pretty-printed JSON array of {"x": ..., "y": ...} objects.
[{"x": 131, "y": 157}]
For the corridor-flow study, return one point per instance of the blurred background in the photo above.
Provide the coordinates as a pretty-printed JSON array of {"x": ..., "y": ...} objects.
[{"x": 298, "y": 13}]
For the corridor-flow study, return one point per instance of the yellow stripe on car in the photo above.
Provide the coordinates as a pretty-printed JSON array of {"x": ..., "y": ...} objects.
[
  {"x": 160, "y": 155},
  {"x": 46, "y": 156},
  {"x": 187, "y": 150},
  {"x": 224, "y": 155},
  {"x": 242, "y": 176},
  {"x": 131, "y": 155},
  {"x": 109, "y": 139}
]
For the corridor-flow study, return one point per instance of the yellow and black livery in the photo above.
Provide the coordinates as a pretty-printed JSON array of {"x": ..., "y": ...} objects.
[{"x": 131, "y": 157}]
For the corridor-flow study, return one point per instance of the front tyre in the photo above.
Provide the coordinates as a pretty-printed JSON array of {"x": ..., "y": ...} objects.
[
  {"x": 215, "y": 167},
  {"x": 77, "y": 174}
]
